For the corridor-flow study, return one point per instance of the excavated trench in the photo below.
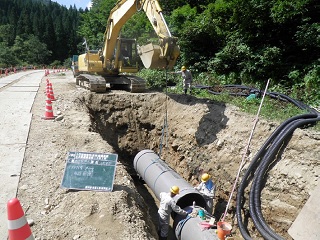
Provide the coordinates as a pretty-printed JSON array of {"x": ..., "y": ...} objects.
[
  {"x": 179, "y": 127},
  {"x": 121, "y": 128},
  {"x": 129, "y": 128},
  {"x": 202, "y": 136},
  {"x": 134, "y": 122}
]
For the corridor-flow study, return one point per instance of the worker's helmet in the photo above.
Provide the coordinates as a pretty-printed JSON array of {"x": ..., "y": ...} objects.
[
  {"x": 175, "y": 189},
  {"x": 183, "y": 68},
  {"x": 205, "y": 177}
]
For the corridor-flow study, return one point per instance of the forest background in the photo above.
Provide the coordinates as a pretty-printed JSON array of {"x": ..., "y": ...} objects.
[{"x": 223, "y": 42}]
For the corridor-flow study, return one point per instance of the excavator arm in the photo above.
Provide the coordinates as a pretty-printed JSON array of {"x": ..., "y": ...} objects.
[{"x": 159, "y": 56}]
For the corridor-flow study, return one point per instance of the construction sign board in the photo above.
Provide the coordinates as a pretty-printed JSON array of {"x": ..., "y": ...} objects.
[{"x": 90, "y": 171}]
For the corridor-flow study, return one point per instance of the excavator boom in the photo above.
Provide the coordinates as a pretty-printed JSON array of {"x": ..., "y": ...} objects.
[{"x": 159, "y": 56}]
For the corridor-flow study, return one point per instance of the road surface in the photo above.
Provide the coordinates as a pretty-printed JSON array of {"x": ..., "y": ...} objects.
[{"x": 17, "y": 94}]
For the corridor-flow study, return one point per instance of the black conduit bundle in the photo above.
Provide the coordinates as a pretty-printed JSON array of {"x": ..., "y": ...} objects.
[
  {"x": 262, "y": 163},
  {"x": 260, "y": 175},
  {"x": 249, "y": 174}
]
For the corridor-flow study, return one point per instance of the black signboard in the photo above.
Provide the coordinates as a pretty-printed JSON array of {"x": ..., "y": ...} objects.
[{"x": 90, "y": 171}]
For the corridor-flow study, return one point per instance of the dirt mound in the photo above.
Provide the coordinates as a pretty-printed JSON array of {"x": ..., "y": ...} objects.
[{"x": 200, "y": 135}]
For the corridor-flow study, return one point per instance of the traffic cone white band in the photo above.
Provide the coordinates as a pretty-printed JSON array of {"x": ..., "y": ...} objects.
[
  {"x": 19, "y": 228},
  {"x": 16, "y": 224}
]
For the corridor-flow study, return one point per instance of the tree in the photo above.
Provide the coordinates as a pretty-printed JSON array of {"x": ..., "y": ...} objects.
[
  {"x": 7, "y": 58},
  {"x": 6, "y": 34},
  {"x": 29, "y": 50},
  {"x": 94, "y": 22}
]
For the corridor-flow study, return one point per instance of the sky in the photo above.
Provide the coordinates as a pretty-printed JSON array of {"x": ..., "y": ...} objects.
[{"x": 79, "y": 3}]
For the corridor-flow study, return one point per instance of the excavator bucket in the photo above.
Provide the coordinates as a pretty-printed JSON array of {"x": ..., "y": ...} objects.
[{"x": 152, "y": 58}]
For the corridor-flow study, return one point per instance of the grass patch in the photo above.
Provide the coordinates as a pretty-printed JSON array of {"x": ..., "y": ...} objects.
[{"x": 272, "y": 109}]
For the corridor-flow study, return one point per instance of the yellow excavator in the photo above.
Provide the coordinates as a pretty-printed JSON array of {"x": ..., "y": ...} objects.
[{"x": 112, "y": 66}]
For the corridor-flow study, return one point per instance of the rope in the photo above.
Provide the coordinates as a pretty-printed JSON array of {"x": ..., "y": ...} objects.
[
  {"x": 246, "y": 151},
  {"x": 165, "y": 121}
]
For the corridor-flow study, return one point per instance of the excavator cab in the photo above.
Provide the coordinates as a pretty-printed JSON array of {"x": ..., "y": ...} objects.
[{"x": 126, "y": 55}]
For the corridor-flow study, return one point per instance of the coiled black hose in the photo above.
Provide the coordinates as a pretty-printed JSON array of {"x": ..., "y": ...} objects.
[
  {"x": 249, "y": 174},
  {"x": 261, "y": 173},
  {"x": 262, "y": 162},
  {"x": 265, "y": 157}
]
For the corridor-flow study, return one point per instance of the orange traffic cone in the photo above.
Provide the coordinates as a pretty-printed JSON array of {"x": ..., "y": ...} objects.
[
  {"x": 18, "y": 226},
  {"x": 47, "y": 88},
  {"x": 49, "y": 112},
  {"x": 51, "y": 92}
]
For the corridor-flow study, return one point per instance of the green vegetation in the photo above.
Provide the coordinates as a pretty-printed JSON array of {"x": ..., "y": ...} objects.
[
  {"x": 37, "y": 33},
  {"x": 160, "y": 79},
  {"x": 221, "y": 41},
  {"x": 284, "y": 110}
]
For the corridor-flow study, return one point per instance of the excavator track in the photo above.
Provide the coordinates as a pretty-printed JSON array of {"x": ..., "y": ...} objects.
[
  {"x": 100, "y": 84},
  {"x": 137, "y": 85},
  {"x": 92, "y": 82}
]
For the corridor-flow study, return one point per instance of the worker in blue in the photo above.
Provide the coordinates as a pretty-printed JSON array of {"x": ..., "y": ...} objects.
[
  {"x": 167, "y": 205},
  {"x": 207, "y": 189}
]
